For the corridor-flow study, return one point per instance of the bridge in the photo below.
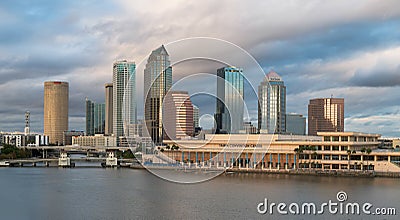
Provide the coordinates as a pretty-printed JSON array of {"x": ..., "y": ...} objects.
[
  {"x": 78, "y": 148},
  {"x": 34, "y": 161}
]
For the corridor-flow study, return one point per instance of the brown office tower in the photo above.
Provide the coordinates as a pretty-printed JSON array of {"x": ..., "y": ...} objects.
[
  {"x": 55, "y": 110},
  {"x": 325, "y": 115},
  {"x": 178, "y": 109},
  {"x": 109, "y": 109}
]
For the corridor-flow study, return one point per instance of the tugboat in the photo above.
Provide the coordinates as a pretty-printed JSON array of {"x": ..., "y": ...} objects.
[{"x": 111, "y": 160}]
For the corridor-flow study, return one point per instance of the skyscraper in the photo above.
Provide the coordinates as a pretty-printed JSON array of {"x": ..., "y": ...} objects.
[
  {"x": 109, "y": 109},
  {"x": 95, "y": 117},
  {"x": 195, "y": 116},
  {"x": 325, "y": 115},
  {"x": 56, "y": 95},
  {"x": 157, "y": 82},
  {"x": 89, "y": 117},
  {"x": 272, "y": 104},
  {"x": 179, "y": 109},
  {"x": 230, "y": 104},
  {"x": 295, "y": 124},
  {"x": 124, "y": 97}
]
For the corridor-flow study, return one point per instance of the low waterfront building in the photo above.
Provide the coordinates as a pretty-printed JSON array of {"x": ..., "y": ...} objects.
[
  {"x": 326, "y": 151},
  {"x": 20, "y": 139},
  {"x": 67, "y": 136},
  {"x": 98, "y": 140}
]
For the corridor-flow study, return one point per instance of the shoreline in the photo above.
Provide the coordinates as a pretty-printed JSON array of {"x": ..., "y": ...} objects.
[{"x": 361, "y": 174}]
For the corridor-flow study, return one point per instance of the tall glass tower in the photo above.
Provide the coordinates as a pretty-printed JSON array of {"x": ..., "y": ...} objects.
[
  {"x": 157, "y": 82},
  {"x": 230, "y": 104},
  {"x": 272, "y": 104},
  {"x": 95, "y": 117},
  {"x": 124, "y": 97},
  {"x": 89, "y": 117}
]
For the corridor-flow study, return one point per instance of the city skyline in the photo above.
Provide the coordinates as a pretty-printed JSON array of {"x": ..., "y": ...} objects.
[{"x": 351, "y": 56}]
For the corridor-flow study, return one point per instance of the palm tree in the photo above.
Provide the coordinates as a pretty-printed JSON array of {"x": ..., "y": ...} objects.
[
  {"x": 296, "y": 151},
  {"x": 348, "y": 158},
  {"x": 362, "y": 157},
  {"x": 368, "y": 152},
  {"x": 315, "y": 158}
]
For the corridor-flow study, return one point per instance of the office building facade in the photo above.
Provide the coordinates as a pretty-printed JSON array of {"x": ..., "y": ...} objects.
[
  {"x": 295, "y": 124},
  {"x": 95, "y": 117},
  {"x": 325, "y": 115},
  {"x": 157, "y": 82},
  {"x": 179, "y": 111},
  {"x": 196, "y": 113},
  {"x": 56, "y": 95},
  {"x": 124, "y": 97},
  {"x": 272, "y": 105},
  {"x": 230, "y": 100},
  {"x": 109, "y": 109}
]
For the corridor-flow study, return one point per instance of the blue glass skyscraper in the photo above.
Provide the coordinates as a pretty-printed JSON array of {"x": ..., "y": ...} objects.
[{"x": 230, "y": 104}]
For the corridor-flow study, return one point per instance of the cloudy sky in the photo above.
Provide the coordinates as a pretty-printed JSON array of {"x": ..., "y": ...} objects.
[{"x": 348, "y": 49}]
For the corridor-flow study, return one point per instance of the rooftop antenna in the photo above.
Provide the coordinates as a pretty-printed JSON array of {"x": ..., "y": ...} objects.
[{"x": 27, "y": 122}]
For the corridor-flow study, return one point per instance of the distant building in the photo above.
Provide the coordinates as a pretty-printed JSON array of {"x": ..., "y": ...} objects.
[
  {"x": 196, "y": 120},
  {"x": 98, "y": 140},
  {"x": 67, "y": 136},
  {"x": 157, "y": 82},
  {"x": 21, "y": 140},
  {"x": 17, "y": 140},
  {"x": 124, "y": 97},
  {"x": 389, "y": 143},
  {"x": 95, "y": 117},
  {"x": 295, "y": 124},
  {"x": 230, "y": 104},
  {"x": 196, "y": 116},
  {"x": 179, "y": 111},
  {"x": 248, "y": 128},
  {"x": 136, "y": 130},
  {"x": 325, "y": 115},
  {"x": 56, "y": 95},
  {"x": 89, "y": 117},
  {"x": 109, "y": 109},
  {"x": 27, "y": 123},
  {"x": 272, "y": 104}
]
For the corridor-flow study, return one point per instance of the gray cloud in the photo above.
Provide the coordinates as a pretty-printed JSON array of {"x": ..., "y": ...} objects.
[{"x": 379, "y": 76}]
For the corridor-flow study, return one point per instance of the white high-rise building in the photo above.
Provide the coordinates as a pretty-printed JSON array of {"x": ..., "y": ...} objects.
[
  {"x": 272, "y": 104},
  {"x": 124, "y": 97}
]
